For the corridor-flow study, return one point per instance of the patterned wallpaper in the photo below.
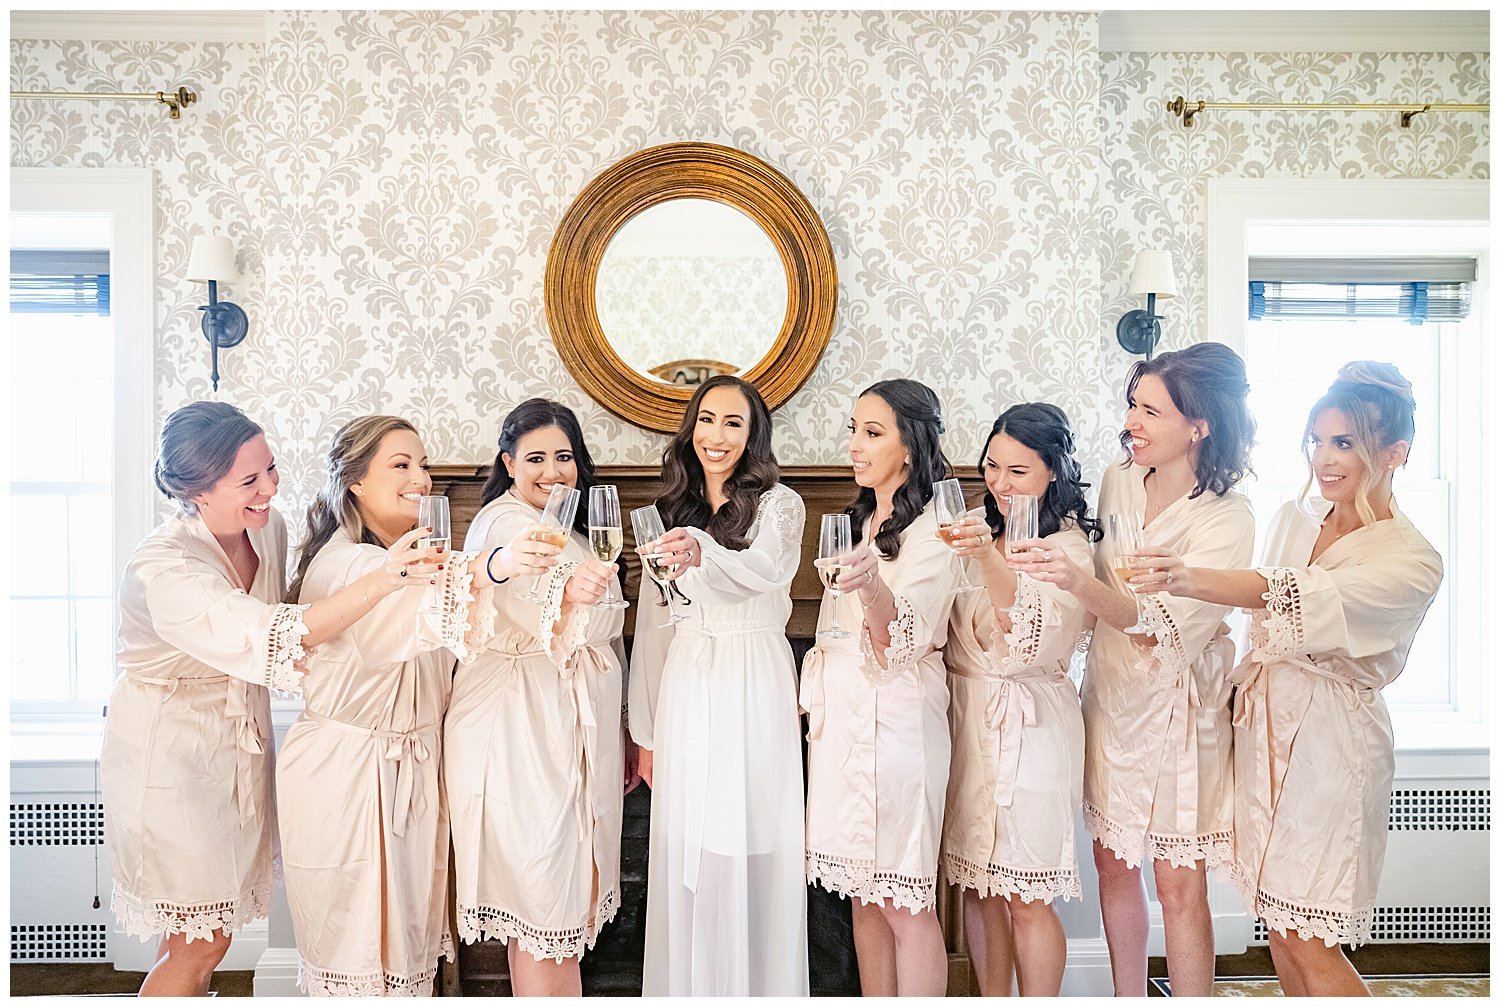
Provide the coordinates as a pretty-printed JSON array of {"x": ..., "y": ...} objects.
[{"x": 393, "y": 178}]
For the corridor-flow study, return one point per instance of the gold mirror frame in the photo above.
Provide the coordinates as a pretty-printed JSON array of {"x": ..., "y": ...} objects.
[{"x": 683, "y": 171}]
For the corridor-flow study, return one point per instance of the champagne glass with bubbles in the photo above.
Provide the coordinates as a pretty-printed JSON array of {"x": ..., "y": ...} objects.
[
  {"x": 1126, "y": 537},
  {"x": 1022, "y": 522},
  {"x": 646, "y": 523},
  {"x": 948, "y": 501},
  {"x": 557, "y": 517},
  {"x": 833, "y": 541},
  {"x": 606, "y": 535},
  {"x": 432, "y": 513}
]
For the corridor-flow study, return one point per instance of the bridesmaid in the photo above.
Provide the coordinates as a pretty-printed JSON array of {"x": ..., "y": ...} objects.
[
  {"x": 714, "y": 708},
  {"x": 1157, "y": 782},
  {"x": 364, "y": 829},
  {"x": 532, "y": 760},
  {"x": 1344, "y": 587},
  {"x": 1017, "y": 776},
  {"x": 187, "y": 764},
  {"x": 877, "y": 703}
]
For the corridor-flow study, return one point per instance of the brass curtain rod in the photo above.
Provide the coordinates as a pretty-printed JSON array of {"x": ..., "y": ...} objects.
[
  {"x": 174, "y": 100},
  {"x": 1180, "y": 106}
]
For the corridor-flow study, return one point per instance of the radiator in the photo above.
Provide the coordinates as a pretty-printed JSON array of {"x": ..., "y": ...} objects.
[{"x": 53, "y": 844}]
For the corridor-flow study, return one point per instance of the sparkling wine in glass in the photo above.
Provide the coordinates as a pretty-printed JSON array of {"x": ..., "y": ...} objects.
[
  {"x": 1022, "y": 522},
  {"x": 834, "y": 539},
  {"x": 606, "y": 535},
  {"x": 1127, "y": 535},
  {"x": 432, "y": 512},
  {"x": 557, "y": 517},
  {"x": 948, "y": 501},
  {"x": 646, "y": 523}
]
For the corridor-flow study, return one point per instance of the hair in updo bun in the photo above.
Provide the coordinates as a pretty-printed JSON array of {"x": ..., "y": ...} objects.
[
  {"x": 197, "y": 447},
  {"x": 1377, "y": 401}
]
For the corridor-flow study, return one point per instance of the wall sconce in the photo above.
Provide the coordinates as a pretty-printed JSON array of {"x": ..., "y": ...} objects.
[
  {"x": 1139, "y": 331},
  {"x": 224, "y": 324}
]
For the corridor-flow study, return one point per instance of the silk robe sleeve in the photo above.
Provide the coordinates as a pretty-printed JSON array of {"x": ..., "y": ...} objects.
[
  {"x": 1052, "y": 620},
  {"x": 728, "y": 576}
]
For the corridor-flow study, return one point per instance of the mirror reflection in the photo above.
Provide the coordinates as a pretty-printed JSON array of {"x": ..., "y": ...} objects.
[{"x": 690, "y": 288}]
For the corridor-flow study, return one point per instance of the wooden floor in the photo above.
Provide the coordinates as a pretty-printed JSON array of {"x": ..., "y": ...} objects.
[{"x": 1374, "y": 959}]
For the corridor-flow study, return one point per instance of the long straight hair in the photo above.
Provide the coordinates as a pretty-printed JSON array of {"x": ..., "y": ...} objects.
[
  {"x": 919, "y": 424},
  {"x": 349, "y": 458},
  {"x": 684, "y": 497}
]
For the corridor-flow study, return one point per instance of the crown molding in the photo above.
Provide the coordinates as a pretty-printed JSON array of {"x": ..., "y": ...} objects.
[
  {"x": 140, "y": 26},
  {"x": 1295, "y": 31}
]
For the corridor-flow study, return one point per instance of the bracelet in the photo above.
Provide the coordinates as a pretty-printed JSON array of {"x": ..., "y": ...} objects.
[{"x": 487, "y": 563}]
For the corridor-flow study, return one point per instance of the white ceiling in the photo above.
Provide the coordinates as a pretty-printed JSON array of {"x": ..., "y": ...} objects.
[{"x": 1119, "y": 30}]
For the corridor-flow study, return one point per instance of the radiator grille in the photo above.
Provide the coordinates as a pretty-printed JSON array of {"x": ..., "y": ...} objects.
[
  {"x": 1422, "y": 923},
  {"x": 56, "y": 824},
  {"x": 1445, "y": 810},
  {"x": 58, "y": 942}
]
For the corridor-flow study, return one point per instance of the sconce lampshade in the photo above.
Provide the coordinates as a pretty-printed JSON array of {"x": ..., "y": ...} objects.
[
  {"x": 212, "y": 258},
  {"x": 1153, "y": 274}
]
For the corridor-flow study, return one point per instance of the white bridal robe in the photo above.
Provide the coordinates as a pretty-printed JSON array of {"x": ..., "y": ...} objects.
[
  {"x": 714, "y": 698},
  {"x": 878, "y": 746},
  {"x": 364, "y": 829},
  {"x": 533, "y": 762},
  {"x": 190, "y": 813},
  {"x": 1314, "y": 752},
  {"x": 1017, "y": 777},
  {"x": 1157, "y": 779}
]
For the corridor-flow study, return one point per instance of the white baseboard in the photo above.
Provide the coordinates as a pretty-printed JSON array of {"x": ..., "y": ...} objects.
[
  {"x": 276, "y": 973},
  {"x": 1087, "y": 972}
]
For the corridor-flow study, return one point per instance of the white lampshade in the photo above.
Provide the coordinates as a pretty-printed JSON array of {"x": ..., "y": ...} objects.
[
  {"x": 1153, "y": 274},
  {"x": 212, "y": 258}
]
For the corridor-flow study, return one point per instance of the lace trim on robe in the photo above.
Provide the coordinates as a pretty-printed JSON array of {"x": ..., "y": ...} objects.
[
  {"x": 285, "y": 658},
  {"x": 1215, "y": 849},
  {"x": 861, "y": 879},
  {"x": 323, "y": 983},
  {"x": 575, "y": 633},
  {"x": 477, "y": 923},
  {"x": 1167, "y": 662},
  {"x": 467, "y": 622},
  {"x": 994, "y": 879},
  {"x": 780, "y": 507},
  {"x": 1331, "y": 926},
  {"x": 1278, "y": 631},
  {"x": 900, "y": 656},
  {"x": 1024, "y": 639},
  {"x": 148, "y": 918}
]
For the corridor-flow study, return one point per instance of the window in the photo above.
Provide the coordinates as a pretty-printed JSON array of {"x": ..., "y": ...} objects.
[
  {"x": 80, "y": 398},
  {"x": 1438, "y": 702}
]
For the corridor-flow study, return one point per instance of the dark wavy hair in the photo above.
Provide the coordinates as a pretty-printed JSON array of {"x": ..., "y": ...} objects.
[
  {"x": 197, "y": 447},
  {"x": 919, "y": 424},
  {"x": 684, "y": 497},
  {"x": 537, "y": 414},
  {"x": 1044, "y": 428},
  {"x": 1206, "y": 382}
]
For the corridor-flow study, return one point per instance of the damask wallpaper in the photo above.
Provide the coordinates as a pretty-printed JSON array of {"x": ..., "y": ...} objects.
[{"x": 392, "y": 180}]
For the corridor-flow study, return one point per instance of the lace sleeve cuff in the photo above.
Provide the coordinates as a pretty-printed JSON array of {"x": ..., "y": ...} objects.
[
  {"x": 1024, "y": 640},
  {"x": 286, "y": 661},
  {"x": 1279, "y": 631},
  {"x": 1167, "y": 662},
  {"x": 560, "y": 646},
  {"x": 901, "y": 655},
  {"x": 467, "y": 621}
]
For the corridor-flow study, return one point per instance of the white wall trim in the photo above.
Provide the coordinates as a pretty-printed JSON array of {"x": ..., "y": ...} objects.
[
  {"x": 140, "y": 26},
  {"x": 276, "y": 973},
  {"x": 1294, "y": 31}
]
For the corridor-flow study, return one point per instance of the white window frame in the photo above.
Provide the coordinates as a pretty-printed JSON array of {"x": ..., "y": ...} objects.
[
  {"x": 1233, "y": 204},
  {"x": 127, "y": 195}
]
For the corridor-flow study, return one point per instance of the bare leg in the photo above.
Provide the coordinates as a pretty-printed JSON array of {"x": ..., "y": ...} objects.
[
  {"x": 1189, "y": 926},
  {"x": 183, "y": 968},
  {"x": 1122, "y": 903},
  {"x": 987, "y": 922},
  {"x": 1286, "y": 969},
  {"x": 1041, "y": 947},
  {"x": 921, "y": 957},
  {"x": 874, "y": 950},
  {"x": 545, "y": 978},
  {"x": 1323, "y": 971}
]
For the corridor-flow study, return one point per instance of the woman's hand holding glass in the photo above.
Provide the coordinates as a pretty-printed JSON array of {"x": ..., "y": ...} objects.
[
  {"x": 589, "y": 583},
  {"x": 1036, "y": 559},
  {"x": 1161, "y": 569},
  {"x": 531, "y": 553},
  {"x": 679, "y": 549},
  {"x": 407, "y": 564},
  {"x": 861, "y": 573}
]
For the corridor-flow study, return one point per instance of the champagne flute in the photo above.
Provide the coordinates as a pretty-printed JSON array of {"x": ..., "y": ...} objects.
[
  {"x": 1021, "y": 523},
  {"x": 834, "y": 537},
  {"x": 432, "y": 512},
  {"x": 557, "y": 516},
  {"x": 646, "y": 523},
  {"x": 1126, "y": 537},
  {"x": 606, "y": 535},
  {"x": 948, "y": 501}
]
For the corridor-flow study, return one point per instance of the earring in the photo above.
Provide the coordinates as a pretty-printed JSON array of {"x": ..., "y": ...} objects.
[{"x": 1195, "y": 437}]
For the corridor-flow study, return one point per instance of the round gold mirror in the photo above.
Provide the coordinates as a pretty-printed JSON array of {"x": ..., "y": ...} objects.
[{"x": 683, "y": 261}]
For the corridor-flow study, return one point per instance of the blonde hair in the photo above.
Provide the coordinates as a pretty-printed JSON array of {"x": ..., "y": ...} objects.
[
  {"x": 1377, "y": 402},
  {"x": 349, "y": 458}
]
